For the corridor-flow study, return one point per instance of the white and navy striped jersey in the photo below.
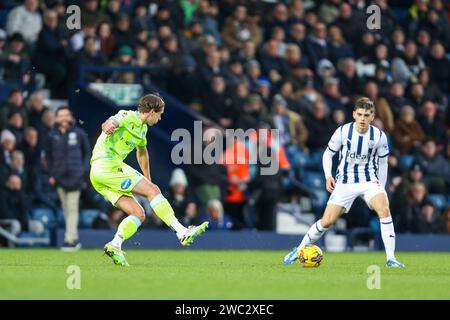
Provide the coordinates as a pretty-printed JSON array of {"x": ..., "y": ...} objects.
[{"x": 358, "y": 153}]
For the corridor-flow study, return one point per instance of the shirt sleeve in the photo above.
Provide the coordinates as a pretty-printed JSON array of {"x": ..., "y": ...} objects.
[
  {"x": 143, "y": 141},
  {"x": 120, "y": 117},
  {"x": 383, "y": 146},
  {"x": 335, "y": 142}
]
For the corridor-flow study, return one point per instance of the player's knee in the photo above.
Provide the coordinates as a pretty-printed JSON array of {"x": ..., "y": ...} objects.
[
  {"x": 326, "y": 222},
  {"x": 153, "y": 191},
  {"x": 384, "y": 212},
  {"x": 140, "y": 214}
]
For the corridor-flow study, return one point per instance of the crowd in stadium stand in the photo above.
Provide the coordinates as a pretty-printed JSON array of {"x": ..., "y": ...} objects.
[{"x": 297, "y": 66}]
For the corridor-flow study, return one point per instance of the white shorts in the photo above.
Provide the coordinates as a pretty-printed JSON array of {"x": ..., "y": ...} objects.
[{"x": 344, "y": 194}]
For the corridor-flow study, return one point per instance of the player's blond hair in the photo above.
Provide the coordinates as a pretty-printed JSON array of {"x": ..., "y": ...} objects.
[
  {"x": 364, "y": 103},
  {"x": 152, "y": 101}
]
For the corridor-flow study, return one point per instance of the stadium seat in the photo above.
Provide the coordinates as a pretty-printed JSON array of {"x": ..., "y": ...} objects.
[
  {"x": 313, "y": 179},
  {"x": 45, "y": 215},
  {"x": 438, "y": 200},
  {"x": 87, "y": 217}
]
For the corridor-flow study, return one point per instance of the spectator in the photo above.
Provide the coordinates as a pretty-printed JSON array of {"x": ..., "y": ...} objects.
[
  {"x": 109, "y": 220},
  {"x": 290, "y": 124},
  {"x": 423, "y": 43},
  {"x": 36, "y": 108},
  {"x": 206, "y": 15},
  {"x": 90, "y": 55},
  {"x": 397, "y": 45},
  {"x": 416, "y": 96},
  {"x": 44, "y": 127},
  {"x": 333, "y": 98},
  {"x": 417, "y": 193},
  {"x": 76, "y": 41},
  {"x": 30, "y": 148},
  {"x": 329, "y": 11},
  {"x": 51, "y": 56},
  {"x": 254, "y": 113},
  {"x": 125, "y": 57},
  {"x": 316, "y": 45},
  {"x": 401, "y": 185},
  {"x": 91, "y": 14},
  {"x": 432, "y": 124},
  {"x": 432, "y": 91},
  {"x": 235, "y": 72},
  {"x": 107, "y": 41},
  {"x": 439, "y": 66},
  {"x": 17, "y": 59},
  {"x": 217, "y": 105},
  {"x": 349, "y": 23},
  {"x": 13, "y": 206},
  {"x": 14, "y": 103},
  {"x": 297, "y": 35},
  {"x": 67, "y": 152},
  {"x": 208, "y": 181},
  {"x": 8, "y": 144},
  {"x": 113, "y": 8},
  {"x": 383, "y": 110},
  {"x": 17, "y": 167},
  {"x": 338, "y": 48},
  {"x": 271, "y": 61},
  {"x": 211, "y": 68},
  {"x": 181, "y": 199},
  {"x": 407, "y": 132},
  {"x": 349, "y": 83},
  {"x": 319, "y": 126},
  {"x": 123, "y": 33},
  {"x": 15, "y": 125},
  {"x": 428, "y": 220},
  {"x": 406, "y": 67},
  {"x": 279, "y": 18},
  {"x": 26, "y": 20},
  {"x": 396, "y": 98},
  {"x": 240, "y": 28},
  {"x": 436, "y": 168},
  {"x": 218, "y": 220}
]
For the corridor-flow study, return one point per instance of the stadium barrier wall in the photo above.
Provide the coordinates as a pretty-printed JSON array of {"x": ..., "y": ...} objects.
[{"x": 241, "y": 240}]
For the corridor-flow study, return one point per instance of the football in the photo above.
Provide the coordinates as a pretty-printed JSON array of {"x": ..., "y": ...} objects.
[{"x": 310, "y": 256}]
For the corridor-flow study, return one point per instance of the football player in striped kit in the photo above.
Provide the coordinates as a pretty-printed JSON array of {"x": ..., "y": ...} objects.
[{"x": 362, "y": 172}]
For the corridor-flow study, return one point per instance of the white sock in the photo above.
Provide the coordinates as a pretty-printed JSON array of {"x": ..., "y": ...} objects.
[
  {"x": 388, "y": 236},
  {"x": 314, "y": 233},
  {"x": 117, "y": 241},
  {"x": 179, "y": 228}
]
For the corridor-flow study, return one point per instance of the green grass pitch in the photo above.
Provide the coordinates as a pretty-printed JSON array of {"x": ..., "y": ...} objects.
[{"x": 192, "y": 274}]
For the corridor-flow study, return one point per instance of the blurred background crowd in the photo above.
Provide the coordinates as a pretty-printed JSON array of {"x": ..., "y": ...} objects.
[{"x": 297, "y": 66}]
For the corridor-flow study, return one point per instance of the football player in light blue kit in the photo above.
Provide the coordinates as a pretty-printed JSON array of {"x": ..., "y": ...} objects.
[{"x": 362, "y": 172}]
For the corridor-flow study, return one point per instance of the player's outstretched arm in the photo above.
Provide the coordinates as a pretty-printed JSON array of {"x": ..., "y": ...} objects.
[{"x": 144, "y": 161}]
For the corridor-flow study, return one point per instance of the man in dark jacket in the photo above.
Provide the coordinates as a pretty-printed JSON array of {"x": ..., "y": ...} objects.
[
  {"x": 13, "y": 209},
  {"x": 68, "y": 152},
  {"x": 51, "y": 53}
]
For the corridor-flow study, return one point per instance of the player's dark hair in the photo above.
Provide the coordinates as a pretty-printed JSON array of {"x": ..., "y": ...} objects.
[
  {"x": 152, "y": 101},
  {"x": 364, "y": 103}
]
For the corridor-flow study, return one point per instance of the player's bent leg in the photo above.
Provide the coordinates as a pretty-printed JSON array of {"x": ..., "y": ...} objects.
[
  {"x": 317, "y": 230},
  {"x": 164, "y": 211},
  {"x": 380, "y": 204},
  {"x": 127, "y": 228}
]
